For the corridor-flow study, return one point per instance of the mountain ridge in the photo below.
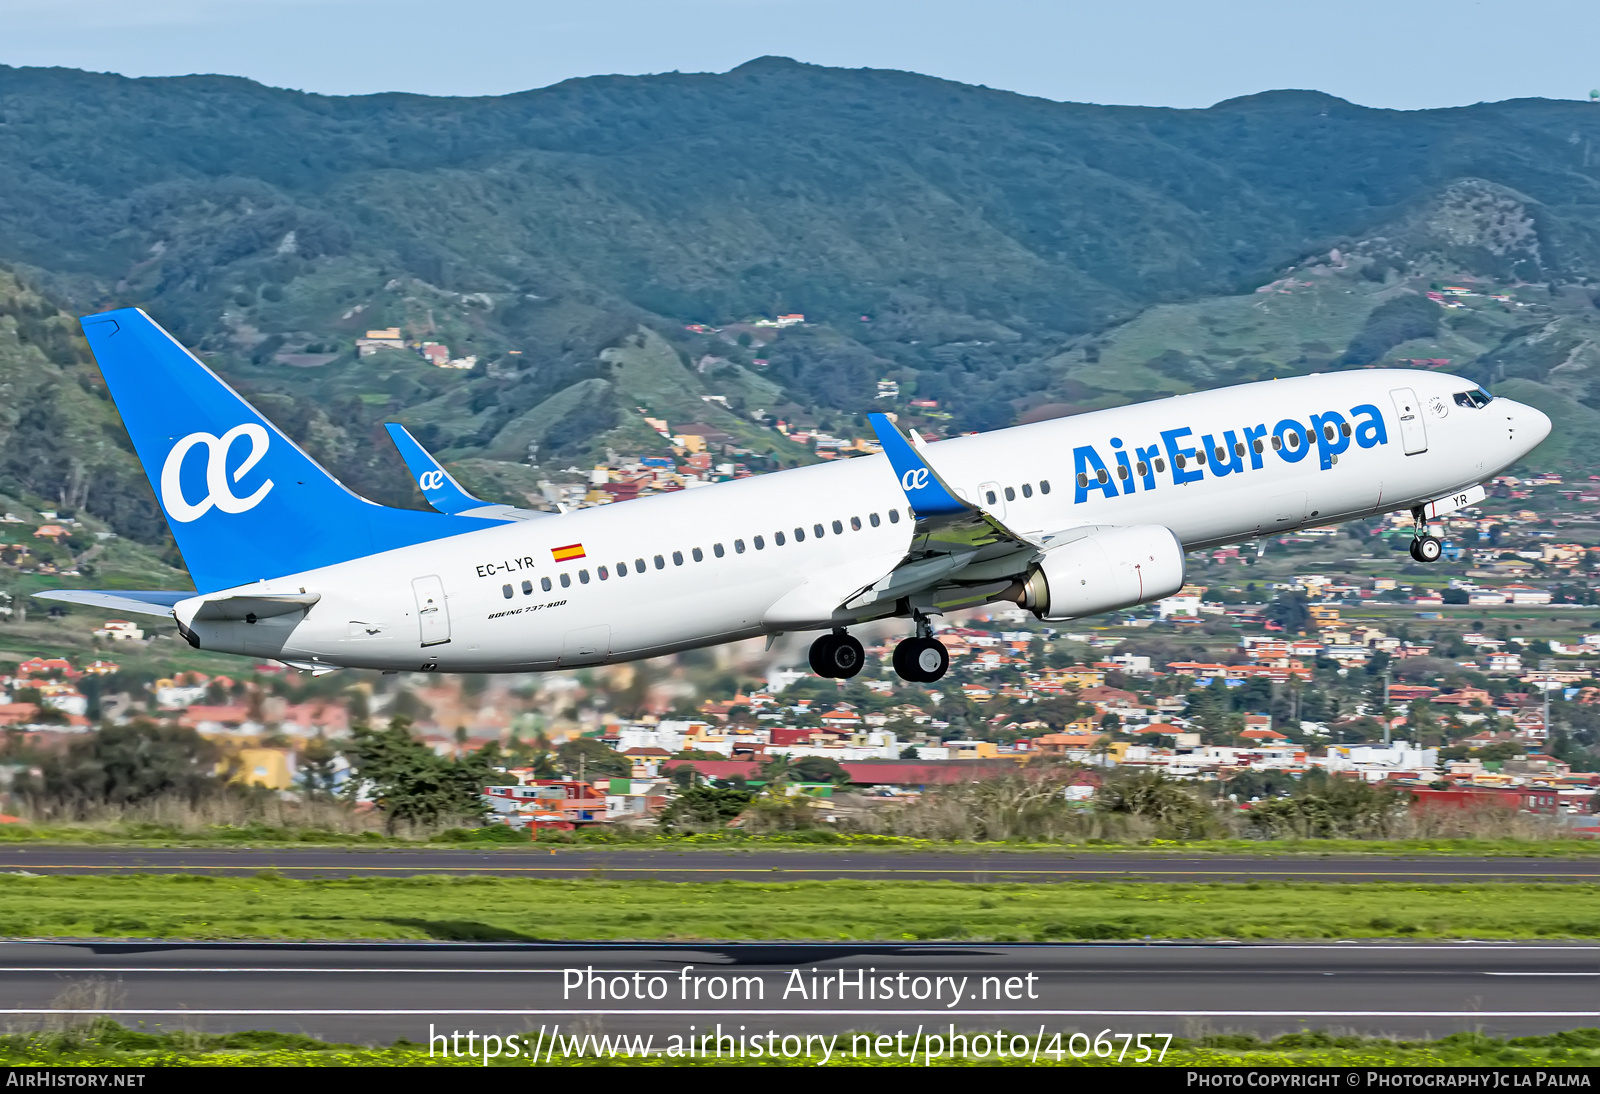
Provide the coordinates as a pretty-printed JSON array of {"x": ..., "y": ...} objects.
[{"x": 968, "y": 245}]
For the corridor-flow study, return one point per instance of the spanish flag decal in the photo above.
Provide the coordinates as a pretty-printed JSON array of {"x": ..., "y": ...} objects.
[{"x": 567, "y": 553}]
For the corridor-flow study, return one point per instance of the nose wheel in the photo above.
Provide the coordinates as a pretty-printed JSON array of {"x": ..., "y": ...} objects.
[
  {"x": 921, "y": 660},
  {"x": 1426, "y": 549},
  {"x": 837, "y": 655}
]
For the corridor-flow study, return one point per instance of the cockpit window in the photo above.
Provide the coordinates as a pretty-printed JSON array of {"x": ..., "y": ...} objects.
[{"x": 1475, "y": 398}]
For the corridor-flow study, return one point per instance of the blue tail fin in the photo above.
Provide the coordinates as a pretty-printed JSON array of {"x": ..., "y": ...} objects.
[
  {"x": 438, "y": 487},
  {"x": 243, "y": 501}
]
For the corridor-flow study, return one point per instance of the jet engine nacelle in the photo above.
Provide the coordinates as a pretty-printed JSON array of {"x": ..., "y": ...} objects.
[{"x": 1108, "y": 569}]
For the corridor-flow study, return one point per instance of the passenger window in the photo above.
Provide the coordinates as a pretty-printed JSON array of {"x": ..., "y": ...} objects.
[
  {"x": 761, "y": 544},
  {"x": 566, "y": 581},
  {"x": 816, "y": 529},
  {"x": 638, "y": 564},
  {"x": 1141, "y": 469},
  {"x": 838, "y": 529},
  {"x": 799, "y": 535},
  {"x": 604, "y": 573},
  {"x": 894, "y": 516},
  {"x": 698, "y": 555},
  {"x": 1161, "y": 465},
  {"x": 1180, "y": 461},
  {"x": 1277, "y": 443},
  {"x": 1101, "y": 477},
  {"x": 1122, "y": 471},
  {"x": 1044, "y": 486},
  {"x": 738, "y": 546},
  {"x": 1344, "y": 427},
  {"x": 1327, "y": 432},
  {"x": 1083, "y": 479},
  {"x": 1258, "y": 446},
  {"x": 622, "y": 569},
  {"x": 1294, "y": 440},
  {"x": 544, "y": 583},
  {"x": 506, "y": 589},
  {"x": 661, "y": 563},
  {"x": 872, "y": 519},
  {"x": 677, "y": 558},
  {"x": 1238, "y": 449},
  {"x": 1199, "y": 457},
  {"x": 1011, "y": 495},
  {"x": 1221, "y": 454},
  {"x": 527, "y": 588},
  {"x": 777, "y": 537},
  {"x": 716, "y": 549},
  {"x": 583, "y": 576},
  {"x": 855, "y": 524},
  {"x": 1027, "y": 489},
  {"x": 988, "y": 495}
]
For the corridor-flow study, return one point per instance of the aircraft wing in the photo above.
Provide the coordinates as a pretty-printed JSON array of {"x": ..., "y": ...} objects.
[
  {"x": 126, "y": 601},
  {"x": 440, "y": 489},
  {"x": 956, "y": 546}
]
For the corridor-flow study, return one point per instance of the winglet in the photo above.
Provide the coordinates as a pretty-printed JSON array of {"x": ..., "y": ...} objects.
[
  {"x": 929, "y": 495},
  {"x": 438, "y": 488}
]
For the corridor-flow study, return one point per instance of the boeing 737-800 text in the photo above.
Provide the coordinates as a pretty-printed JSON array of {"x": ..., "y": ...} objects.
[{"x": 1067, "y": 518}]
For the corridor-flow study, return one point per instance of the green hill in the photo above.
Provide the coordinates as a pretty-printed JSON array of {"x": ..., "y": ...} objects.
[{"x": 999, "y": 255}]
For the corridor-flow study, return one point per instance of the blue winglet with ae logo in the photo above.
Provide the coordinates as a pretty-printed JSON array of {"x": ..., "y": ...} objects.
[
  {"x": 925, "y": 490},
  {"x": 438, "y": 488}
]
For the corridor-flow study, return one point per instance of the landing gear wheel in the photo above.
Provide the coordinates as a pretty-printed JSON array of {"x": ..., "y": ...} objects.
[
  {"x": 1426, "y": 549},
  {"x": 838, "y": 656},
  {"x": 921, "y": 660}
]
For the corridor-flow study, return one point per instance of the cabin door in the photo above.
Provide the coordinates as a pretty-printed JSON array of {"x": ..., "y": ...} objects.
[
  {"x": 432, "y": 616},
  {"x": 1412, "y": 430}
]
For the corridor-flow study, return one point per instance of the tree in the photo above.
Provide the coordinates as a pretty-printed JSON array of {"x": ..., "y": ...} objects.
[
  {"x": 317, "y": 770},
  {"x": 1152, "y": 795},
  {"x": 411, "y": 783},
  {"x": 593, "y": 758},
  {"x": 1289, "y": 610},
  {"x": 125, "y": 765},
  {"x": 818, "y": 769},
  {"x": 705, "y": 805}
]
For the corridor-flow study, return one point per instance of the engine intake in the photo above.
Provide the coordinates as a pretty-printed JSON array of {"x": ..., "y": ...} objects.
[{"x": 1103, "y": 571}]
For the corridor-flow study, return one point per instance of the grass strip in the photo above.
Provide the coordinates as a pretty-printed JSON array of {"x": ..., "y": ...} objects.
[
  {"x": 268, "y": 906},
  {"x": 107, "y": 1044},
  {"x": 144, "y": 835}
]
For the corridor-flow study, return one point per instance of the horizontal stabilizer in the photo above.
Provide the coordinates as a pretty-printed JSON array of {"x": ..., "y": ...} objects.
[
  {"x": 126, "y": 601},
  {"x": 251, "y": 607}
]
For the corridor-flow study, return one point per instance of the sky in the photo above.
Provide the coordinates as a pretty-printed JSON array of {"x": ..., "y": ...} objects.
[{"x": 1400, "y": 54}]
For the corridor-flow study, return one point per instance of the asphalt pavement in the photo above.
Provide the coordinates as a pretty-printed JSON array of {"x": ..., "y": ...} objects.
[
  {"x": 765, "y": 864},
  {"x": 380, "y": 993}
]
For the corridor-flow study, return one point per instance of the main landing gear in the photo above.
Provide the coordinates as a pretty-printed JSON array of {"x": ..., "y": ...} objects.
[
  {"x": 1424, "y": 548},
  {"x": 837, "y": 655},
  {"x": 921, "y": 659}
]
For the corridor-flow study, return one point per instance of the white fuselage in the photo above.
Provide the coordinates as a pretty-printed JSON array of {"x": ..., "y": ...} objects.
[{"x": 705, "y": 589}]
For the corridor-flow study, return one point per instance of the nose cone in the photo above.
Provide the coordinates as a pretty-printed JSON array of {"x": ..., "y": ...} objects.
[
  {"x": 1528, "y": 426},
  {"x": 1534, "y": 424}
]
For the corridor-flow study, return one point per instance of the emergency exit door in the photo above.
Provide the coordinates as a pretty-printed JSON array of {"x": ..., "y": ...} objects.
[
  {"x": 1412, "y": 430},
  {"x": 432, "y": 616}
]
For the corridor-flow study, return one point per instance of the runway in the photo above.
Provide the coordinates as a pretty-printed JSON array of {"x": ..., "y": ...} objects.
[
  {"x": 379, "y": 993},
  {"x": 766, "y": 864}
]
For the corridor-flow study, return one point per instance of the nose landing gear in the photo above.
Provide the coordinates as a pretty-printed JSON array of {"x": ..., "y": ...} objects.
[
  {"x": 837, "y": 655},
  {"x": 1424, "y": 548}
]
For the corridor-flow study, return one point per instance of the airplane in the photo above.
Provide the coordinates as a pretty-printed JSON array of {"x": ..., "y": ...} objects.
[{"x": 1066, "y": 518}]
